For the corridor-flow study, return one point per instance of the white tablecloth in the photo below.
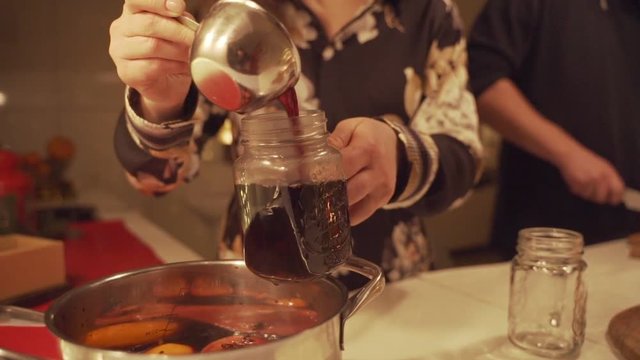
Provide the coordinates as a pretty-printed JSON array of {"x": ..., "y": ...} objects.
[{"x": 461, "y": 313}]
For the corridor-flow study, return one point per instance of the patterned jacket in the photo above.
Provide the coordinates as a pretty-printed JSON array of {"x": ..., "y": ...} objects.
[{"x": 403, "y": 62}]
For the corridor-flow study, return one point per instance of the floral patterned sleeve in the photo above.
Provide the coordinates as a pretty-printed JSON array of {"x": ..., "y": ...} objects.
[
  {"x": 159, "y": 157},
  {"x": 441, "y": 140}
]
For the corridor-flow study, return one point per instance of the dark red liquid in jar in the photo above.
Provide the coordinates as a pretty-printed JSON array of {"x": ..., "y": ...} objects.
[{"x": 296, "y": 232}]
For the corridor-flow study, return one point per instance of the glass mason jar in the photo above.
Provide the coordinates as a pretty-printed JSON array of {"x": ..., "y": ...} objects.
[
  {"x": 547, "y": 301},
  {"x": 293, "y": 200}
]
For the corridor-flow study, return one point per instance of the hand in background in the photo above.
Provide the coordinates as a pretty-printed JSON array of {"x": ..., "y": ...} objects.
[
  {"x": 151, "y": 53},
  {"x": 369, "y": 155},
  {"x": 592, "y": 177}
]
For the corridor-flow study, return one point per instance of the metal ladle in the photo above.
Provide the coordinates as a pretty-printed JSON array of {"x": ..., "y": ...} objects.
[{"x": 242, "y": 56}]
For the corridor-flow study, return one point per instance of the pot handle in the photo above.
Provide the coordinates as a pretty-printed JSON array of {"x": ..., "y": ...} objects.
[
  {"x": 31, "y": 317},
  {"x": 10, "y": 355},
  {"x": 367, "y": 293},
  {"x": 9, "y": 313}
]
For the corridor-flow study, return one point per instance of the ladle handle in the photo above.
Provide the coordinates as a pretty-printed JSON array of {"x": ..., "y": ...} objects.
[
  {"x": 9, "y": 313},
  {"x": 188, "y": 22}
]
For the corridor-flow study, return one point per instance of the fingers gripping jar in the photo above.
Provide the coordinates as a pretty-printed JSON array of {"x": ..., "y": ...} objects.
[
  {"x": 548, "y": 296},
  {"x": 292, "y": 193}
]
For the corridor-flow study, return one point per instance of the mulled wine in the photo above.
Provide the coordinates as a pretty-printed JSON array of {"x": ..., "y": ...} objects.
[
  {"x": 192, "y": 327},
  {"x": 192, "y": 333},
  {"x": 296, "y": 232},
  {"x": 289, "y": 100}
]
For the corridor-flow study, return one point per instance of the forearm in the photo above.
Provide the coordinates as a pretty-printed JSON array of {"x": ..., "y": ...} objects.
[
  {"x": 157, "y": 157},
  {"x": 443, "y": 163},
  {"x": 457, "y": 172},
  {"x": 158, "y": 112},
  {"x": 444, "y": 129},
  {"x": 132, "y": 157},
  {"x": 504, "y": 107}
]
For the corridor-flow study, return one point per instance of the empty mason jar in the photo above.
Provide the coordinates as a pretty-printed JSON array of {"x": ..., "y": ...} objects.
[
  {"x": 293, "y": 197},
  {"x": 547, "y": 301}
]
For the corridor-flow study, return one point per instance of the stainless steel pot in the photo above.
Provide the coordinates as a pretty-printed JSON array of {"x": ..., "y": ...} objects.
[{"x": 198, "y": 289}]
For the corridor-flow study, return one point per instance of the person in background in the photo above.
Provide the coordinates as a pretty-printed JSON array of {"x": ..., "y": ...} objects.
[
  {"x": 559, "y": 80},
  {"x": 391, "y": 77}
]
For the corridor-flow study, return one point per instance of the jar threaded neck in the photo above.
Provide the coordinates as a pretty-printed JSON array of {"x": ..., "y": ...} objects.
[
  {"x": 277, "y": 128},
  {"x": 550, "y": 243}
]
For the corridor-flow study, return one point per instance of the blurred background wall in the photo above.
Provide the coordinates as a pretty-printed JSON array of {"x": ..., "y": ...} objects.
[{"x": 56, "y": 78}]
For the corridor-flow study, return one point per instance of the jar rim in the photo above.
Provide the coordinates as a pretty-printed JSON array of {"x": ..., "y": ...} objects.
[
  {"x": 270, "y": 127},
  {"x": 550, "y": 241},
  {"x": 280, "y": 114},
  {"x": 550, "y": 232}
]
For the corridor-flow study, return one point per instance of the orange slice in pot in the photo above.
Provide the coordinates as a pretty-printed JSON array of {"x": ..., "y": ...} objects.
[
  {"x": 234, "y": 342},
  {"x": 130, "y": 334},
  {"x": 170, "y": 349}
]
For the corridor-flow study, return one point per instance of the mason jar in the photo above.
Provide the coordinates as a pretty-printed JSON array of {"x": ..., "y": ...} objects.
[
  {"x": 547, "y": 301},
  {"x": 292, "y": 193}
]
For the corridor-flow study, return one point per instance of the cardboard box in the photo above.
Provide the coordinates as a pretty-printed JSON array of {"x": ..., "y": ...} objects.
[
  {"x": 8, "y": 242},
  {"x": 32, "y": 264}
]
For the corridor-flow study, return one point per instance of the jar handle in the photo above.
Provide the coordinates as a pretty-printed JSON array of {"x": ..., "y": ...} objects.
[{"x": 367, "y": 293}]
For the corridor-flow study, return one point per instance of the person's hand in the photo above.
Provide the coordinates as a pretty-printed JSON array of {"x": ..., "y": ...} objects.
[
  {"x": 151, "y": 52},
  {"x": 369, "y": 155},
  {"x": 592, "y": 177}
]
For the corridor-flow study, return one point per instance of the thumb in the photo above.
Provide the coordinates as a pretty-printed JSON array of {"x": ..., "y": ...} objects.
[
  {"x": 168, "y": 8},
  {"x": 341, "y": 135}
]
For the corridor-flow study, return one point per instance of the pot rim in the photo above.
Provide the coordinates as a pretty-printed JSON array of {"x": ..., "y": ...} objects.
[{"x": 50, "y": 313}]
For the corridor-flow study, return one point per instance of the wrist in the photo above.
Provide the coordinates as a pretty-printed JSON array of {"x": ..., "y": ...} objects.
[
  {"x": 175, "y": 132},
  {"x": 159, "y": 112},
  {"x": 404, "y": 173}
]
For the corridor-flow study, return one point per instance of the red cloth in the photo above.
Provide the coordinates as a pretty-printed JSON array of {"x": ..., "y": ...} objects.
[{"x": 103, "y": 248}]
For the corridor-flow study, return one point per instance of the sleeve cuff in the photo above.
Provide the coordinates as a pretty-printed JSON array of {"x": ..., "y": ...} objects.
[
  {"x": 421, "y": 155},
  {"x": 174, "y": 133}
]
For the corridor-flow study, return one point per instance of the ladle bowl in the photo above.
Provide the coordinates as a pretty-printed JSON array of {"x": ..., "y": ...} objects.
[{"x": 242, "y": 56}]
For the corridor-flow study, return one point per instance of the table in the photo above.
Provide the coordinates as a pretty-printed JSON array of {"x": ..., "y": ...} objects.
[
  {"x": 458, "y": 313},
  {"x": 461, "y": 313}
]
